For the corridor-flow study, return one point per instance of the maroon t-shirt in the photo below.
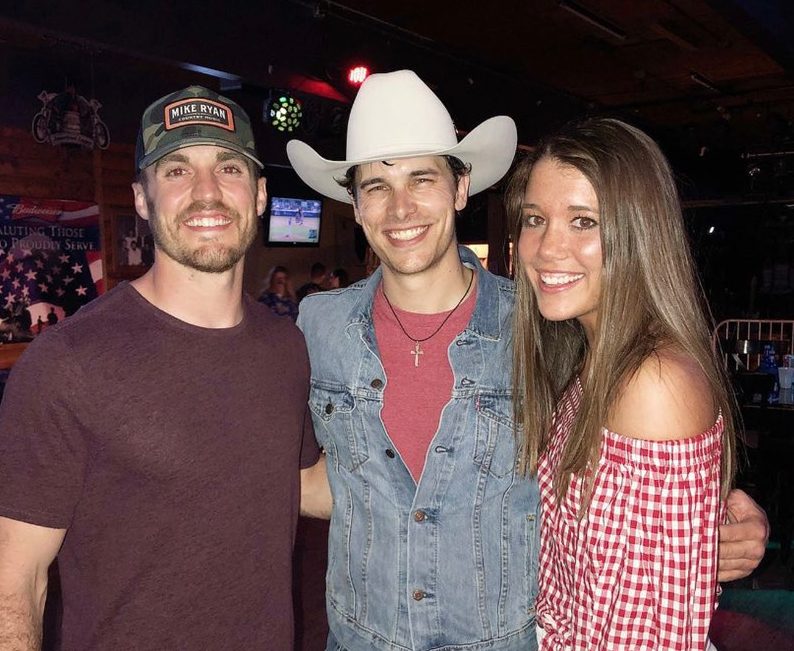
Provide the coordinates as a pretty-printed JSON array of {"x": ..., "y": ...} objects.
[{"x": 171, "y": 455}]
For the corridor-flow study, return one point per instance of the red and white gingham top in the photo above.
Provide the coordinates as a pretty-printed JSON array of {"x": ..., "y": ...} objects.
[{"x": 639, "y": 570}]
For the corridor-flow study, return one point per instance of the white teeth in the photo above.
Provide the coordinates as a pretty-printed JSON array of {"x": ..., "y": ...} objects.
[
  {"x": 408, "y": 233},
  {"x": 208, "y": 222},
  {"x": 559, "y": 279}
]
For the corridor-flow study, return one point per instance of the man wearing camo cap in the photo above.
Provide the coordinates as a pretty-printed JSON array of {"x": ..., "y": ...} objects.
[{"x": 153, "y": 441}]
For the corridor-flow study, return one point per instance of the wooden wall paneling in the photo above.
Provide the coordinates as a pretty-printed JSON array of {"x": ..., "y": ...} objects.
[
  {"x": 115, "y": 177},
  {"x": 9, "y": 353},
  {"x": 23, "y": 158}
]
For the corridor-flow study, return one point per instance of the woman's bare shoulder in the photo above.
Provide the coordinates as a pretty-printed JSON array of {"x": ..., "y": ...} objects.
[{"x": 669, "y": 397}]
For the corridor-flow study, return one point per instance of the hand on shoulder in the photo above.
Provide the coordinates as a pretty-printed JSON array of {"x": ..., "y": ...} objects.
[{"x": 668, "y": 398}]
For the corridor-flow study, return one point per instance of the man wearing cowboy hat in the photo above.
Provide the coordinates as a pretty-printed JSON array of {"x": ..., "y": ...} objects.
[{"x": 433, "y": 539}]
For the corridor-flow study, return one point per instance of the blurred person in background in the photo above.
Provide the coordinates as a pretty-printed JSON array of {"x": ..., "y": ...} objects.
[
  {"x": 339, "y": 278},
  {"x": 307, "y": 289},
  {"x": 278, "y": 294},
  {"x": 318, "y": 281}
]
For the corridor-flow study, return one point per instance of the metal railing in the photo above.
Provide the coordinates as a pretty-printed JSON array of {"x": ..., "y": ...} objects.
[{"x": 741, "y": 341}]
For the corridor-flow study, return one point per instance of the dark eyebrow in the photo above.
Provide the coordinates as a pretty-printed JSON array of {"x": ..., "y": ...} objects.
[
  {"x": 229, "y": 155},
  {"x": 373, "y": 181},
  {"x": 170, "y": 158},
  {"x": 176, "y": 157},
  {"x": 414, "y": 173},
  {"x": 427, "y": 172},
  {"x": 572, "y": 208}
]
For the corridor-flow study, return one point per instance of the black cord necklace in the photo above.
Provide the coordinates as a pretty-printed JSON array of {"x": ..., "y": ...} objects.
[{"x": 417, "y": 342}]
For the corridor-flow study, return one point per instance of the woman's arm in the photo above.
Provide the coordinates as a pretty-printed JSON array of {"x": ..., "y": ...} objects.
[
  {"x": 669, "y": 398},
  {"x": 669, "y": 485}
]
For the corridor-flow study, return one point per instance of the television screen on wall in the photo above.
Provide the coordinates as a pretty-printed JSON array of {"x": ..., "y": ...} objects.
[{"x": 293, "y": 222}]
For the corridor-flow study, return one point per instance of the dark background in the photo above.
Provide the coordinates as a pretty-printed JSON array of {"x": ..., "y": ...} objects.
[{"x": 542, "y": 62}]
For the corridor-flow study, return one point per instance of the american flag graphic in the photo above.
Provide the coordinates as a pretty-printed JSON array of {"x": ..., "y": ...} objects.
[{"x": 50, "y": 262}]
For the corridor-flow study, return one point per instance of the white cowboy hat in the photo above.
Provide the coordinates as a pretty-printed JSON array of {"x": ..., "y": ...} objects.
[{"x": 395, "y": 115}]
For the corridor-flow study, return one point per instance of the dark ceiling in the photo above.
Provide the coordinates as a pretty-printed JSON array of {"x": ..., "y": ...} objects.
[
  {"x": 670, "y": 63},
  {"x": 713, "y": 80}
]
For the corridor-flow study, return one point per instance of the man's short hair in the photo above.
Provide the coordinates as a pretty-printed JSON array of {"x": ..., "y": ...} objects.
[
  {"x": 318, "y": 269},
  {"x": 455, "y": 165}
]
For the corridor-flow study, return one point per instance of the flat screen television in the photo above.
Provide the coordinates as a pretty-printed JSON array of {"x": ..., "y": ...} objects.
[{"x": 293, "y": 222}]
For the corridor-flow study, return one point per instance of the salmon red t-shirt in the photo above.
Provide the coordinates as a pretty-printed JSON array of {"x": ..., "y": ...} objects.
[{"x": 416, "y": 392}]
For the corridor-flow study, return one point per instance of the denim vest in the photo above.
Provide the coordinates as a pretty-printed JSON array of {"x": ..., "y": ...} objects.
[{"x": 450, "y": 562}]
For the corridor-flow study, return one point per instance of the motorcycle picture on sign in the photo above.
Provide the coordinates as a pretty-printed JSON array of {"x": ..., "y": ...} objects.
[{"x": 69, "y": 119}]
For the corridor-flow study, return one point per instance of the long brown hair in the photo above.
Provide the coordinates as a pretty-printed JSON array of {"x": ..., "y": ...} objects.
[
  {"x": 267, "y": 285},
  {"x": 650, "y": 297}
]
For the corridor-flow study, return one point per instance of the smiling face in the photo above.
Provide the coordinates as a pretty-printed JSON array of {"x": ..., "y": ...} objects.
[
  {"x": 560, "y": 243},
  {"x": 407, "y": 209},
  {"x": 201, "y": 203}
]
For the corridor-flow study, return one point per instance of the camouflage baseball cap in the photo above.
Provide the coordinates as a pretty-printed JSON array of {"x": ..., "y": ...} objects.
[{"x": 193, "y": 116}]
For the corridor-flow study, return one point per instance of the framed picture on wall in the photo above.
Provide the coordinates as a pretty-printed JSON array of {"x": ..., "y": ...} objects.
[{"x": 133, "y": 246}]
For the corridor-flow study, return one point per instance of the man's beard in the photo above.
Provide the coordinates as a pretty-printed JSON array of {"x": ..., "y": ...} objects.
[{"x": 208, "y": 258}]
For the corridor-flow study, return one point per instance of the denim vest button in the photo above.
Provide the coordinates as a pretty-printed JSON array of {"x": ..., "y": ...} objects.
[
  {"x": 418, "y": 595},
  {"x": 377, "y": 383},
  {"x": 390, "y": 453},
  {"x": 329, "y": 408},
  {"x": 419, "y": 516}
]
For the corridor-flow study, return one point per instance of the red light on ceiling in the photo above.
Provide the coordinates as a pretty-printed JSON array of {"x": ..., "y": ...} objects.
[{"x": 357, "y": 75}]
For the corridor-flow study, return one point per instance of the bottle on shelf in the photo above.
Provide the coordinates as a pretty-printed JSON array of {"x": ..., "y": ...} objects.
[{"x": 769, "y": 365}]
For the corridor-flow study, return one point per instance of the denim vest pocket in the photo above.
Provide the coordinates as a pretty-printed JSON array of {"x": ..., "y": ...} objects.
[
  {"x": 334, "y": 411},
  {"x": 495, "y": 448}
]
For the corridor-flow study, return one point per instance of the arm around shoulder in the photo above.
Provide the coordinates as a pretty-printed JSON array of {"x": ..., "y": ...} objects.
[
  {"x": 743, "y": 537},
  {"x": 671, "y": 477},
  {"x": 26, "y": 552}
]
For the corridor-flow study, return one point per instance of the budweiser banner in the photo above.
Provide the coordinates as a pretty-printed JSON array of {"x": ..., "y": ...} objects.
[{"x": 50, "y": 263}]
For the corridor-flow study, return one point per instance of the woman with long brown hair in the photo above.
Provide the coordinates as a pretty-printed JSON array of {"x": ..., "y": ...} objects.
[
  {"x": 277, "y": 293},
  {"x": 625, "y": 410}
]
